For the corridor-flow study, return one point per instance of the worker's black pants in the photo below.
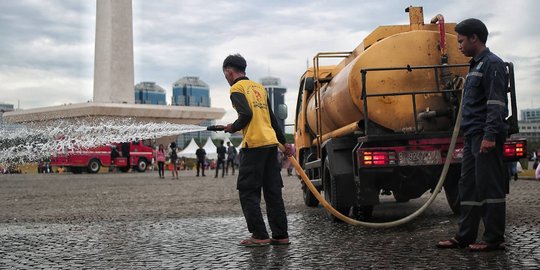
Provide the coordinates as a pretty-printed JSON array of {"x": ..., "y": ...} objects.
[
  {"x": 230, "y": 161},
  {"x": 482, "y": 191},
  {"x": 221, "y": 162},
  {"x": 200, "y": 165},
  {"x": 259, "y": 168}
]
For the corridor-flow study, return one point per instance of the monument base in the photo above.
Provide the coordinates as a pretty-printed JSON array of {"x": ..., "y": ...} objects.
[{"x": 141, "y": 112}]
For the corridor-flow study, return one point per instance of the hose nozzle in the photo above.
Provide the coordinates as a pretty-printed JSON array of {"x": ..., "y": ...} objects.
[{"x": 215, "y": 128}]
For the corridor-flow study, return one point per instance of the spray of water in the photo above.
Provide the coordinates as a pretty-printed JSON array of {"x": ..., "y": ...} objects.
[{"x": 41, "y": 140}]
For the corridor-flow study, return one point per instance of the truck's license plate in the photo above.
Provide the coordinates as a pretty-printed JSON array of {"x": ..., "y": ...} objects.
[{"x": 419, "y": 158}]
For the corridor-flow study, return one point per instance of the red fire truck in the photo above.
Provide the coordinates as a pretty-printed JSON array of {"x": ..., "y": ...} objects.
[{"x": 134, "y": 155}]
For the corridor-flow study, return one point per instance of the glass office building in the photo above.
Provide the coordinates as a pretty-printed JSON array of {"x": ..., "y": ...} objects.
[
  {"x": 149, "y": 93},
  {"x": 191, "y": 91},
  {"x": 276, "y": 95}
]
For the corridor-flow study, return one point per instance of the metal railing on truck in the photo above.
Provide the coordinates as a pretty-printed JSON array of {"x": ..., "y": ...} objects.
[{"x": 512, "y": 120}]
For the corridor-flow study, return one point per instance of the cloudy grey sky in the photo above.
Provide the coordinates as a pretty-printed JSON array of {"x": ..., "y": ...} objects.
[{"x": 47, "y": 47}]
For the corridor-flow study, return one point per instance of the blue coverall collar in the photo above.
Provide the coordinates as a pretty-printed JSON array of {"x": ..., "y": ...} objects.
[{"x": 481, "y": 55}]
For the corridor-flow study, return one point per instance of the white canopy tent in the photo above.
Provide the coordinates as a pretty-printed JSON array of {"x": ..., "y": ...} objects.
[
  {"x": 210, "y": 148},
  {"x": 239, "y": 147},
  {"x": 189, "y": 151},
  {"x": 226, "y": 140}
]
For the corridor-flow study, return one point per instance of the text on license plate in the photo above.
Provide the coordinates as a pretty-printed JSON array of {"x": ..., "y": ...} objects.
[{"x": 419, "y": 158}]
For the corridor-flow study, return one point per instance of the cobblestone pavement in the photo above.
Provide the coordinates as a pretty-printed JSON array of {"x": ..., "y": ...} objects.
[{"x": 136, "y": 221}]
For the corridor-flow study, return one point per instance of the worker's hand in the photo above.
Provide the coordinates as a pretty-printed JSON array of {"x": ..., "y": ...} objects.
[
  {"x": 287, "y": 151},
  {"x": 228, "y": 128},
  {"x": 486, "y": 146}
]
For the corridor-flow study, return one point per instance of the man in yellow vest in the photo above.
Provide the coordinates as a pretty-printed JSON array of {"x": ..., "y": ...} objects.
[{"x": 259, "y": 165}]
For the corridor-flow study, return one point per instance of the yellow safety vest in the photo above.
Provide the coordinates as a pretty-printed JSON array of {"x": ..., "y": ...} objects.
[{"x": 258, "y": 132}]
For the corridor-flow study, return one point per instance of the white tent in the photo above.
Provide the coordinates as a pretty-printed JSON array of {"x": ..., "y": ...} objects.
[
  {"x": 210, "y": 148},
  {"x": 189, "y": 151},
  {"x": 226, "y": 140},
  {"x": 239, "y": 146}
]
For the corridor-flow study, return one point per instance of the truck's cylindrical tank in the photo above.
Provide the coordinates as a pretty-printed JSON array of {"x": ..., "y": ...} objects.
[{"x": 341, "y": 102}]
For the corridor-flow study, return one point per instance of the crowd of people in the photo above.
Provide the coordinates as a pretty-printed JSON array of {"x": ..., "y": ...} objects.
[
  {"x": 45, "y": 167},
  {"x": 228, "y": 160}
]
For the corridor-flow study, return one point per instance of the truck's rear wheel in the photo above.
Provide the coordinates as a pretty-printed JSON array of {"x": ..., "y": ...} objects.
[
  {"x": 330, "y": 192},
  {"x": 142, "y": 165},
  {"x": 363, "y": 212},
  {"x": 94, "y": 165},
  {"x": 399, "y": 197},
  {"x": 309, "y": 199}
]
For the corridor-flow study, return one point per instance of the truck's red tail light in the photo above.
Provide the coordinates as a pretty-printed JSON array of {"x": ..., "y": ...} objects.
[
  {"x": 377, "y": 158},
  {"x": 514, "y": 149}
]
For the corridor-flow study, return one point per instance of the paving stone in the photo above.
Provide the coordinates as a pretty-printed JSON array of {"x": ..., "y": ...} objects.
[{"x": 199, "y": 228}]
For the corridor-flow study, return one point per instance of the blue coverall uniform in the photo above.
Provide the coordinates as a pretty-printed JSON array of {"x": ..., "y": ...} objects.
[{"x": 482, "y": 187}]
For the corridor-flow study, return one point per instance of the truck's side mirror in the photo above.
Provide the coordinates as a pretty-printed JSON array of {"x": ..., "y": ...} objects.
[
  {"x": 309, "y": 84},
  {"x": 282, "y": 111}
]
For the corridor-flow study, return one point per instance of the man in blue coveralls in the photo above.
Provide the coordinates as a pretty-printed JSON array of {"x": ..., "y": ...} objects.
[{"x": 482, "y": 186}]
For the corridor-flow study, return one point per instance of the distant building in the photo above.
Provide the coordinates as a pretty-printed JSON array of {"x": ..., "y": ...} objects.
[
  {"x": 4, "y": 107},
  {"x": 191, "y": 91},
  {"x": 149, "y": 93},
  {"x": 530, "y": 115},
  {"x": 276, "y": 94},
  {"x": 529, "y": 125},
  {"x": 529, "y": 130}
]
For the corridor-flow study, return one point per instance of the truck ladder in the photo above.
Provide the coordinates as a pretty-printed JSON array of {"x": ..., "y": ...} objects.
[{"x": 319, "y": 82}]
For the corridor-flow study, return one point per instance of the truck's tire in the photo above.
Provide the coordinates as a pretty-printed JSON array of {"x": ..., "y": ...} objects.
[
  {"x": 363, "y": 212},
  {"x": 400, "y": 198},
  {"x": 309, "y": 198},
  {"x": 330, "y": 192},
  {"x": 142, "y": 165},
  {"x": 94, "y": 165}
]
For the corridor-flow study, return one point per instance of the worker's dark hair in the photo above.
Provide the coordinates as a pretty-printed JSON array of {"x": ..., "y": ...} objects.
[
  {"x": 235, "y": 61},
  {"x": 470, "y": 27}
]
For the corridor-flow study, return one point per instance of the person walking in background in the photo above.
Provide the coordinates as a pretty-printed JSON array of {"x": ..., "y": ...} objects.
[
  {"x": 484, "y": 178},
  {"x": 201, "y": 158},
  {"x": 537, "y": 173},
  {"x": 287, "y": 163},
  {"x": 160, "y": 159},
  {"x": 259, "y": 167},
  {"x": 231, "y": 155},
  {"x": 114, "y": 154},
  {"x": 173, "y": 156},
  {"x": 221, "y": 151}
]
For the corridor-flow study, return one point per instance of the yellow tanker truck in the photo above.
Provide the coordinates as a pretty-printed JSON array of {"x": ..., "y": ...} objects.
[{"x": 380, "y": 121}]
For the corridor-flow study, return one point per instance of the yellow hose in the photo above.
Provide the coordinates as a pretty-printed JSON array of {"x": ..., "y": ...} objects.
[{"x": 389, "y": 224}]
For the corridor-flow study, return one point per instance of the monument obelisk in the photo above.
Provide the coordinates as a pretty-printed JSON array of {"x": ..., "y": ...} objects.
[
  {"x": 113, "y": 63},
  {"x": 114, "y": 94}
]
